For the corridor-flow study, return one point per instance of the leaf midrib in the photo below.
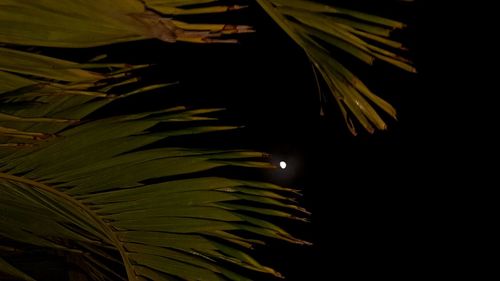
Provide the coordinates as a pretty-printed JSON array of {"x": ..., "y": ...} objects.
[{"x": 107, "y": 230}]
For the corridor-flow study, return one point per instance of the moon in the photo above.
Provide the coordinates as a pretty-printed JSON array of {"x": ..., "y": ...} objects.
[{"x": 283, "y": 165}]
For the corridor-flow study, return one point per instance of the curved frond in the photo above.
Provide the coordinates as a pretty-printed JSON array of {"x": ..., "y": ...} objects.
[
  {"x": 317, "y": 28},
  {"x": 314, "y": 26},
  {"x": 89, "y": 23},
  {"x": 98, "y": 191},
  {"x": 10, "y": 270},
  {"x": 103, "y": 193}
]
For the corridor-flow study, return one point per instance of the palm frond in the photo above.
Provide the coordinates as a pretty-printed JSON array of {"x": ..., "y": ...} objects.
[
  {"x": 10, "y": 270},
  {"x": 102, "y": 192},
  {"x": 317, "y": 27},
  {"x": 170, "y": 7},
  {"x": 89, "y": 23},
  {"x": 92, "y": 190},
  {"x": 314, "y": 26},
  {"x": 54, "y": 93}
]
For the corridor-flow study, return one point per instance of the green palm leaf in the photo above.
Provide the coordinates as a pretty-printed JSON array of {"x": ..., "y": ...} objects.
[
  {"x": 12, "y": 271},
  {"x": 89, "y": 23},
  {"x": 90, "y": 188},
  {"x": 102, "y": 192},
  {"x": 314, "y": 26},
  {"x": 317, "y": 27}
]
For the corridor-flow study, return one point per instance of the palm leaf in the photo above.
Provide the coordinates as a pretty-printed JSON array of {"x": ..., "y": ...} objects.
[
  {"x": 312, "y": 25},
  {"x": 102, "y": 192},
  {"x": 90, "y": 188},
  {"x": 317, "y": 28},
  {"x": 172, "y": 7},
  {"x": 10, "y": 270},
  {"x": 89, "y": 23}
]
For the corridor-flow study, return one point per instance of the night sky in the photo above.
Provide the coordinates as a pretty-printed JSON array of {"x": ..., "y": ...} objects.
[{"x": 359, "y": 189}]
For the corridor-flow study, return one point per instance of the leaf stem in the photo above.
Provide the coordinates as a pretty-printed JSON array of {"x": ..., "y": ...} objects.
[{"x": 108, "y": 231}]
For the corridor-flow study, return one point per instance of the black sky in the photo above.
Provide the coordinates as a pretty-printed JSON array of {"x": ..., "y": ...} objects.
[{"x": 359, "y": 189}]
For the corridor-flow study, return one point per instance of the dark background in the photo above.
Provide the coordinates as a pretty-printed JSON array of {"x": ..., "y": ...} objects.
[{"x": 361, "y": 190}]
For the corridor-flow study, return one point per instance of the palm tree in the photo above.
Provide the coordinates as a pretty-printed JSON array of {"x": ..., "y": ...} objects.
[{"x": 100, "y": 191}]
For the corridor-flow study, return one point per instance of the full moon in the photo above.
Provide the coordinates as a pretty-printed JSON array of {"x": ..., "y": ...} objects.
[{"x": 283, "y": 164}]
